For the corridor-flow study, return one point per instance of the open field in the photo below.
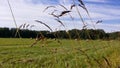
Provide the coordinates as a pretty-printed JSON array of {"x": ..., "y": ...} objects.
[{"x": 17, "y": 53}]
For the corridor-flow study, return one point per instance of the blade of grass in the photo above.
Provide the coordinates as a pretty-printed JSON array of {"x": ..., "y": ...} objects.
[
  {"x": 43, "y": 24},
  {"x": 17, "y": 31}
]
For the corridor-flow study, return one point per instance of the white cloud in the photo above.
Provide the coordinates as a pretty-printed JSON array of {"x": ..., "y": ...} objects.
[
  {"x": 96, "y": 0},
  {"x": 26, "y": 12}
]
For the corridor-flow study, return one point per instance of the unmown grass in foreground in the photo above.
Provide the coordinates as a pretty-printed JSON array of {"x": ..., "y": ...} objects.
[{"x": 17, "y": 53}]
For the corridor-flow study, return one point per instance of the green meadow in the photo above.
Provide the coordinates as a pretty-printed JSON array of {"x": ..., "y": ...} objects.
[{"x": 17, "y": 53}]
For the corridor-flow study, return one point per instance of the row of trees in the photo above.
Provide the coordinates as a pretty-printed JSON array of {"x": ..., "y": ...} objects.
[{"x": 61, "y": 34}]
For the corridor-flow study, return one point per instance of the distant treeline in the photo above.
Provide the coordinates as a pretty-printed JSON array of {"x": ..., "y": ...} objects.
[{"x": 61, "y": 34}]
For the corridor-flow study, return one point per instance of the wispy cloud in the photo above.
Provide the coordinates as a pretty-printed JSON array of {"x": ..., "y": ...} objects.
[
  {"x": 26, "y": 11},
  {"x": 97, "y": 1}
]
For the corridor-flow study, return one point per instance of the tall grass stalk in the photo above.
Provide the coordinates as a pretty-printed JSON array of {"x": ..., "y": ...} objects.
[{"x": 17, "y": 31}]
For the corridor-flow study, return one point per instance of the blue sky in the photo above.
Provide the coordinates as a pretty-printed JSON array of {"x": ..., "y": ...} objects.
[
  {"x": 26, "y": 11},
  {"x": 108, "y": 2},
  {"x": 44, "y": 1}
]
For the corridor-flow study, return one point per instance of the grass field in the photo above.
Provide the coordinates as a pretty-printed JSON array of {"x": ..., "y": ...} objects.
[{"x": 17, "y": 53}]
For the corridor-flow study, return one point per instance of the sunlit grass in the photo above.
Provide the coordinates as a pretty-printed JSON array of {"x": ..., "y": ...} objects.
[{"x": 17, "y": 53}]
